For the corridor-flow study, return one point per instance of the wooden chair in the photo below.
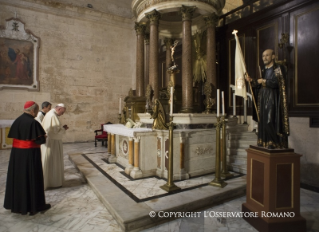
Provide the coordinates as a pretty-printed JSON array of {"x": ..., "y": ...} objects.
[{"x": 101, "y": 135}]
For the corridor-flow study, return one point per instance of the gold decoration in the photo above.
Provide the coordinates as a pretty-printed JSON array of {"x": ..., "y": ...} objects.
[
  {"x": 173, "y": 51},
  {"x": 158, "y": 116},
  {"x": 218, "y": 182},
  {"x": 284, "y": 40},
  {"x": 200, "y": 65},
  {"x": 225, "y": 173},
  {"x": 170, "y": 186}
]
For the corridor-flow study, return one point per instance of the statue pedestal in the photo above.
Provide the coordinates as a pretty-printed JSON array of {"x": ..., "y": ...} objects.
[{"x": 273, "y": 190}]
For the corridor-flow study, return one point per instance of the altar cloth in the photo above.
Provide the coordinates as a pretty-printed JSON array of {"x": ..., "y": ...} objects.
[{"x": 120, "y": 129}]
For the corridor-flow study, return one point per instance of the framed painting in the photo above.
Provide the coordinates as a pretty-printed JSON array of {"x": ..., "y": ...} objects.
[{"x": 19, "y": 50}]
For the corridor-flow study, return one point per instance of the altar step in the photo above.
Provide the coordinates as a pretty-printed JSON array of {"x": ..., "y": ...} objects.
[
  {"x": 239, "y": 139},
  {"x": 134, "y": 215}
]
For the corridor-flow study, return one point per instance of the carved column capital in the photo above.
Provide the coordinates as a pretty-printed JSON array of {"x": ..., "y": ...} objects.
[
  {"x": 147, "y": 38},
  {"x": 187, "y": 12},
  {"x": 154, "y": 16},
  {"x": 140, "y": 28},
  {"x": 211, "y": 20}
]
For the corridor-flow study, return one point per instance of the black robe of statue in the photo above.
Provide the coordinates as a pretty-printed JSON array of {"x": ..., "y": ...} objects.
[
  {"x": 24, "y": 187},
  {"x": 273, "y": 127}
]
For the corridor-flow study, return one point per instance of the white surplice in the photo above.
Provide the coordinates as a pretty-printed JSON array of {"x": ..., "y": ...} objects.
[
  {"x": 52, "y": 151},
  {"x": 39, "y": 117}
]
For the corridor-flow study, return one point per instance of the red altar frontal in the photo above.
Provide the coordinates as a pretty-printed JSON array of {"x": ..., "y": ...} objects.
[{"x": 273, "y": 190}]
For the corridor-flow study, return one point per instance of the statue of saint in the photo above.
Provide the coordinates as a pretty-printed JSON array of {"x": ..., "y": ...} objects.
[
  {"x": 158, "y": 116},
  {"x": 270, "y": 90}
]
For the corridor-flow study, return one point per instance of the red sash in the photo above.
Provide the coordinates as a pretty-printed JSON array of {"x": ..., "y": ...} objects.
[{"x": 25, "y": 144}]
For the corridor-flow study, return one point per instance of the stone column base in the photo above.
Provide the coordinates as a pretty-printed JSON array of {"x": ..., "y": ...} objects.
[
  {"x": 136, "y": 173},
  {"x": 128, "y": 169},
  {"x": 112, "y": 159},
  {"x": 182, "y": 175}
]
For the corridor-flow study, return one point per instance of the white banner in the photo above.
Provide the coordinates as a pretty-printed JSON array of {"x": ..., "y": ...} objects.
[{"x": 240, "y": 70}]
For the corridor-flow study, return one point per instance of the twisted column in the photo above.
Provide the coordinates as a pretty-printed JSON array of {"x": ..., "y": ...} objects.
[
  {"x": 154, "y": 17},
  {"x": 140, "y": 31},
  {"x": 187, "y": 72}
]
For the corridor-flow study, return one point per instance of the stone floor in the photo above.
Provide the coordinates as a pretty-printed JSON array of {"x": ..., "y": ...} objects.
[{"x": 75, "y": 207}]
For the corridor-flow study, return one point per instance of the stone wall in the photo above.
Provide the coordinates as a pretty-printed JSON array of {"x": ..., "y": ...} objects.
[{"x": 86, "y": 61}]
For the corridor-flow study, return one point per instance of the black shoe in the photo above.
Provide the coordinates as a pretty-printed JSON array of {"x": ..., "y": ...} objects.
[
  {"x": 32, "y": 213},
  {"x": 45, "y": 208}
]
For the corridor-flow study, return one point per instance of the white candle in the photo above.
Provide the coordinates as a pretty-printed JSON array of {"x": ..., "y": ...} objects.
[
  {"x": 120, "y": 105},
  {"x": 217, "y": 102},
  {"x": 171, "y": 106},
  {"x": 223, "y": 103}
]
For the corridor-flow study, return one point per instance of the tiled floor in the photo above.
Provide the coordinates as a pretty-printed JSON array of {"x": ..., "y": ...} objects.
[
  {"x": 146, "y": 187},
  {"x": 76, "y": 208}
]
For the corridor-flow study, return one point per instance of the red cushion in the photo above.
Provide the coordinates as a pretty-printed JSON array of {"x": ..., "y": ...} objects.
[
  {"x": 104, "y": 133},
  {"x": 101, "y": 137}
]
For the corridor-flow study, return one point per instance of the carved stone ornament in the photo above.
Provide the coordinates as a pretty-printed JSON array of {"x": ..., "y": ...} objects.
[
  {"x": 140, "y": 28},
  {"x": 211, "y": 20},
  {"x": 201, "y": 151},
  {"x": 19, "y": 52},
  {"x": 139, "y": 7},
  {"x": 187, "y": 12},
  {"x": 154, "y": 16}
]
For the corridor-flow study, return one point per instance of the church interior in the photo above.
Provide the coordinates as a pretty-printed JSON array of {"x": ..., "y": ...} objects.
[{"x": 156, "y": 80}]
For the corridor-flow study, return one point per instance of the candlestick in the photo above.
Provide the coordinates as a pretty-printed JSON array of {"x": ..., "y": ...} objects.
[
  {"x": 223, "y": 103},
  {"x": 217, "y": 102},
  {"x": 171, "y": 106},
  {"x": 120, "y": 105},
  {"x": 234, "y": 104}
]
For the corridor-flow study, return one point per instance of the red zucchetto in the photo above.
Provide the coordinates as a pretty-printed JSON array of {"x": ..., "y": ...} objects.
[{"x": 28, "y": 104}]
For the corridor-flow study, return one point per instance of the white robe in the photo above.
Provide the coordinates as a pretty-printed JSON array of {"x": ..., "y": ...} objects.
[
  {"x": 39, "y": 117},
  {"x": 52, "y": 151}
]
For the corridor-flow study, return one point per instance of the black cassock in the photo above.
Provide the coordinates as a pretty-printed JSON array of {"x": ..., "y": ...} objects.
[
  {"x": 273, "y": 125},
  {"x": 24, "y": 187}
]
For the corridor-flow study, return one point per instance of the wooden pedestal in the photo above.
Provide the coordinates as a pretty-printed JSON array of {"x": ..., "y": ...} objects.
[{"x": 273, "y": 190}]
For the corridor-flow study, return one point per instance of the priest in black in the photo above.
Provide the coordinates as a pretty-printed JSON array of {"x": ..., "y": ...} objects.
[
  {"x": 24, "y": 187},
  {"x": 270, "y": 92}
]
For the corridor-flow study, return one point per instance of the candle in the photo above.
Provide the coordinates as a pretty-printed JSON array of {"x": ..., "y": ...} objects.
[
  {"x": 171, "y": 106},
  {"x": 120, "y": 108},
  {"x": 223, "y": 103},
  {"x": 217, "y": 102}
]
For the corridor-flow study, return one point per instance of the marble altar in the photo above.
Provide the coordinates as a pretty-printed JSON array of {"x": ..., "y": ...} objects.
[{"x": 144, "y": 152}]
